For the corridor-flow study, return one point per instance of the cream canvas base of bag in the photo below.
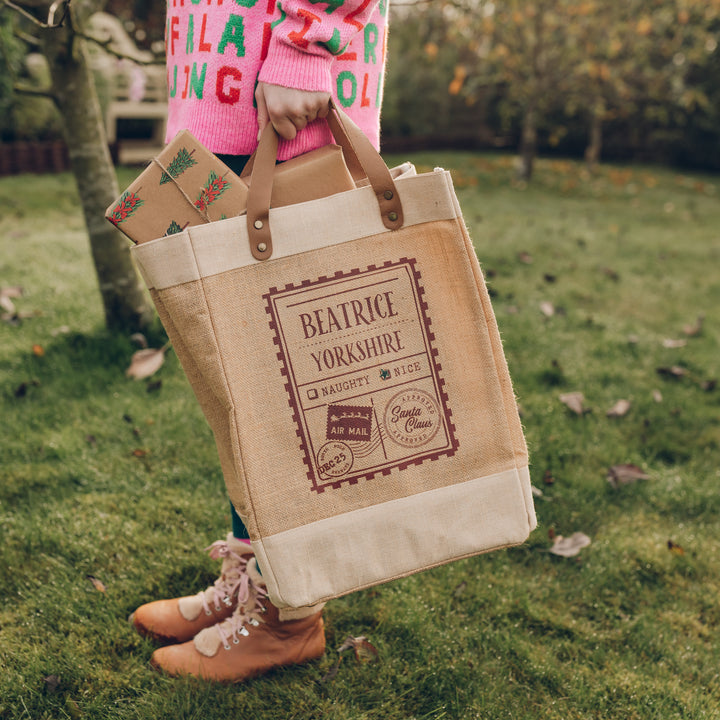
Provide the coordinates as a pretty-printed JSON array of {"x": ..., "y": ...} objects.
[{"x": 347, "y": 358}]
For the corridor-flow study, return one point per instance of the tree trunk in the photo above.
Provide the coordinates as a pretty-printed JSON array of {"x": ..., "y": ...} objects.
[
  {"x": 594, "y": 148},
  {"x": 126, "y": 306},
  {"x": 528, "y": 143}
]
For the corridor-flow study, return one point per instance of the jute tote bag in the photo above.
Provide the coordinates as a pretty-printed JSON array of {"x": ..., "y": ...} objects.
[{"x": 347, "y": 358}]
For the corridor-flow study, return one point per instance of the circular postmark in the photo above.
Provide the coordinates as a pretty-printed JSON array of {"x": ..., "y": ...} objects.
[
  {"x": 412, "y": 418},
  {"x": 334, "y": 459}
]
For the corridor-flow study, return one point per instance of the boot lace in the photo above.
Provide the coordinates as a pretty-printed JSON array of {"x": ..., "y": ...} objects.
[
  {"x": 232, "y": 629},
  {"x": 234, "y": 579}
]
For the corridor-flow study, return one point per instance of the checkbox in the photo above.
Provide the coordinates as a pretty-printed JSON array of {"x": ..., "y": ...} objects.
[{"x": 312, "y": 394}]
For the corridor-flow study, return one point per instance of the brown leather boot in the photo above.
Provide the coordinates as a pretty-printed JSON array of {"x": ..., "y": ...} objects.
[
  {"x": 252, "y": 641},
  {"x": 180, "y": 619}
]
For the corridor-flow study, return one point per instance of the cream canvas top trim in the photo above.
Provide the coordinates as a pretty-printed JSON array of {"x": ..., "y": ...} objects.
[{"x": 206, "y": 250}]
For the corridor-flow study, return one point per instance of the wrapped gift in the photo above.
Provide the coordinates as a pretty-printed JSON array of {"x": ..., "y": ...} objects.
[
  {"x": 188, "y": 185},
  {"x": 184, "y": 185},
  {"x": 314, "y": 175}
]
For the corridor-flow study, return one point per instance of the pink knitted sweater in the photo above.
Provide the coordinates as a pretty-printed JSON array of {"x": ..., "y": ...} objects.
[{"x": 217, "y": 51}]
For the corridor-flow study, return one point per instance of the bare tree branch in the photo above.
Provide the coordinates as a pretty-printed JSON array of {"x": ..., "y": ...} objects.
[
  {"x": 26, "y": 38},
  {"x": 63, "y": 5},
  {"x": 35, "y": 92},
  {"x": 106, "y": 45}
]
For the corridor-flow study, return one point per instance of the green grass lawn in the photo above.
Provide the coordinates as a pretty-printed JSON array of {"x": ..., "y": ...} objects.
[{"x": 594, "y": 281}]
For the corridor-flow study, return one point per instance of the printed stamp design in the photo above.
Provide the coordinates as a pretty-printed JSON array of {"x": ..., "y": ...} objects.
[
  {"x": 412, "y": 418},
  {"x": 334, "y": 459},
  {"x": 362, "y": 373},
  {"x": 349, "y": 422}
]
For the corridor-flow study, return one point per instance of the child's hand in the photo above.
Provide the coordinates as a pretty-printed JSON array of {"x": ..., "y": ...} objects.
[{"x": 288, "y": 109}]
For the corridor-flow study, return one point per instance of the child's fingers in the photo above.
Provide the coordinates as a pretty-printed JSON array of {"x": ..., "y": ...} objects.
[
  {"x": 288, "y": 109},
  {"x": 286, "y": 127}
]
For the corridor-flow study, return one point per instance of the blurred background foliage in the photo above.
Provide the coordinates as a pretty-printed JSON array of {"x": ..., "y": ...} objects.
[
  {"x": 619, "y": 79},
  {"x": 614, "y": 79}
]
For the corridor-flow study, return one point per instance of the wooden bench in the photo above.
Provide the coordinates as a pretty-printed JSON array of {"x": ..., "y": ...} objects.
[
  {"x": 137, "y": 91},
  {"x": 152, "y": 106}
]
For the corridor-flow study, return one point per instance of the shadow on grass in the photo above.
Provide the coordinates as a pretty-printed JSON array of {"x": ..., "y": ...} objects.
[{"x": 79, "y": 365}]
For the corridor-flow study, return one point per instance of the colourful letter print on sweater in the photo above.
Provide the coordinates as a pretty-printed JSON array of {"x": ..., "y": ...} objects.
[{"x": 218, "y": 50}]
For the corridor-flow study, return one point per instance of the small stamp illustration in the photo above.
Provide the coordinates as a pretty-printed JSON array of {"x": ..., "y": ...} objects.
[
  {"x": 411, "y": 418},
  {"x": 349, "y": 422},
  {"x": 334, "y": 459}
]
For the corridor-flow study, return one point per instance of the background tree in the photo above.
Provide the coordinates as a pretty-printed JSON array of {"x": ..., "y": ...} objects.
[
  {"x": 423, "y": 99},
  {"x": 60, "y": 32},
  {"x": 522, "y": 52},
  {"x": 637, "y": 60}
]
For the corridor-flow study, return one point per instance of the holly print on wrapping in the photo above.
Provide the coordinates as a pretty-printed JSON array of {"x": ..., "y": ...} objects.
[
  {"x": 214, "y": 188},
  {"x": 180, "y": 163},
  {"x": 127, "y": 205}
]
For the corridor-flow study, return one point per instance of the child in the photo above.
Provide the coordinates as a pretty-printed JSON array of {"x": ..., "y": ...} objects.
[{"x": 233, "y": 67}]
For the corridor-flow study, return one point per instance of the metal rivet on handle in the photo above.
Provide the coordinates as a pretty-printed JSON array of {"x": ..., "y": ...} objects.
[
  {"x": 262, "y": 247},
  {"x": 388, "y": 195},
  {"x": 258, "y": 224},
  {"x": 393, "y": 216}
]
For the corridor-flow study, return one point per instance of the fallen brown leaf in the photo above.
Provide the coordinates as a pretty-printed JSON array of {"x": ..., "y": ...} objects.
[
  {"x": 696, "y": 329},
  {"x": 22, "y": 389},
  {"x": 363, "y": 649},
  {"x": 612, "y": 274},
  {"x": 625, "y": 474},
  {"x": 547, "y": 308},
  {"x": 146, "y": 362},
  {"x": 460, "y": 589},
  {"x": 97, "y": 584},
  {"x": 139, "y": 339},
  {"x": 619, "y": 409},
  {"x": 7, "y": 305},
  {"x": 674, "y": 548},
  {"x": 525, "y": 257},
  {"x": 673, "y": 372},
  {"x": 38, "y": 350},
  {"x": 570, "y": 546},
  {"x": 574, "y": 401},
  {"x": 52, "y": 684},
  {"x": 154, "y": 386},
  {"x": 14, "y": 291}
]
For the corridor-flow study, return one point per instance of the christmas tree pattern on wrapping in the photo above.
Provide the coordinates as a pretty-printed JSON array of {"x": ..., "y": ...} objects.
[
  {"x": 173, "y": 228},
  {"x": 180, "y": 163},
  {"x": 128, "y": 204},
  {"x": 214, "y": 188}
]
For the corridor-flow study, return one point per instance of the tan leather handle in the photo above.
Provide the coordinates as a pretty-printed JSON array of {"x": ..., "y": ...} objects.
[
  {"x": 260, "y": 194},
  {"x": 360, "y": 156}
]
